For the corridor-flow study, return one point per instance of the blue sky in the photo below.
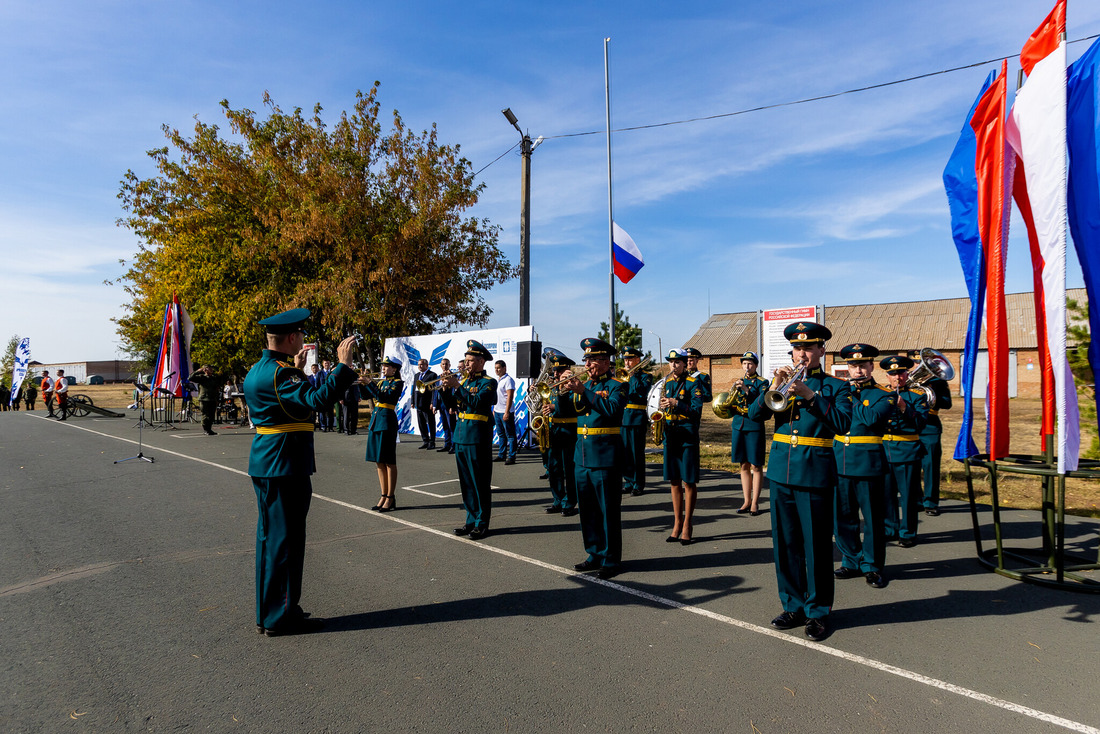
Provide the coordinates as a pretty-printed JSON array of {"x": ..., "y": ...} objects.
[{"x": 833, "y": 202}]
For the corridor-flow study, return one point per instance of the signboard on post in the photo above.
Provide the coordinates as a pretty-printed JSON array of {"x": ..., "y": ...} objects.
[{"x": 775, "y": 346}]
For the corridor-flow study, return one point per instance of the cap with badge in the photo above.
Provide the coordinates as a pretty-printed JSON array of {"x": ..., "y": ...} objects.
[
  {"x": 286, "y": 322},
  {"x": 560, "y": 362},
  {"x": 750, "y": 357},
  {"x": 896, "y": 363},
  {"x": 693, "y": 352},
  {"x": 391, "y": 362},
  {"x": 806, "y": 332},
  {"x": 677, "y": 354},
  {"x": 631, "y": 352},
  {"x": 475, "y": 348},
  {"x": 594, "y": 347},
  {"x": 858, "y": 353}
]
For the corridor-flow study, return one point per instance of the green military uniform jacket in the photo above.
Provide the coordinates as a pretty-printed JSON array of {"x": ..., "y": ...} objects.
[
  {"x": 933, "y": 428},
  {"x": 386, "y": 395},
  {"x": 703, "y": 380},
  {"x": 637, "y": 393},
  {"x": 902, "y": 437},
  {"x": 208, "y": 387},
  {"x": 281, "y": 403},
  {"x": 859, "y": 453},
  {"x": 563, "y": 418},
  {"x": 802, "y": 454},
  {"x": 685, "y": 417},
  {"x": 600, "y": 416},
  {"x": 755, "y": 386},
  {"x": 475, "y": 397}
]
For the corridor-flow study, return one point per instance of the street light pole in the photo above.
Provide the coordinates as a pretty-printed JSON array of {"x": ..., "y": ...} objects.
[
  {"x": 526, "y": 148},
  {"x": 660, "y": 349}
]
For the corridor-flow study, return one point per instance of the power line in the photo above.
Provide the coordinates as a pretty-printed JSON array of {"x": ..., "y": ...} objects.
[{"x": 784, "y": 104}]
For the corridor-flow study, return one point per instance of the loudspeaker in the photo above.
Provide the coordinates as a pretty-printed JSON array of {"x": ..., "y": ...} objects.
[{"x": 528, "y": 359}]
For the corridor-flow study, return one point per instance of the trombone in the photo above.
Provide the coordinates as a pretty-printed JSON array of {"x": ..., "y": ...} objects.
[{"x": 624, "y": 374}]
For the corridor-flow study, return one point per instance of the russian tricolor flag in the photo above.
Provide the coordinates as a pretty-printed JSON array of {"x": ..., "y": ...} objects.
[{"x": 626, "y": 257}]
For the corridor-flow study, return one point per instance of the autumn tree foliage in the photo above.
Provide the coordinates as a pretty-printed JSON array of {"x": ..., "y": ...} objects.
[{"x": 365, "y": 229}]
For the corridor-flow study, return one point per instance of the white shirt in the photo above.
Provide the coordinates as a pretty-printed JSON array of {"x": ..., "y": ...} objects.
[
  {"x": 504, "y": 384},
  {"x": 61, "y": 386}
]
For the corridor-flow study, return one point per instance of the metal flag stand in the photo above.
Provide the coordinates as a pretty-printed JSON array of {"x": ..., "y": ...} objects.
[{"x": 141, "y": 423}]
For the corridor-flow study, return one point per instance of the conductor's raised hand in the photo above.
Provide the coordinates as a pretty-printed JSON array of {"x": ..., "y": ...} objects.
[{"x": 346, "y": 351}]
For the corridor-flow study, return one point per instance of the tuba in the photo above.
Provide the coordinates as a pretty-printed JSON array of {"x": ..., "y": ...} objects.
[
  {"x": 778, "y": 399},
  {"x": 933, "y": 365},
  {"x": 534, "y": 397}
]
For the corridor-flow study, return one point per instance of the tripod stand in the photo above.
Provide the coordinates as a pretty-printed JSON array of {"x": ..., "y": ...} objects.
[{"x": 140, "y": 424}]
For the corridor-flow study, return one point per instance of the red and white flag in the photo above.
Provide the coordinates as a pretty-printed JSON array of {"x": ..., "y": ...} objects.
[{"x": 1036, "y": 130}]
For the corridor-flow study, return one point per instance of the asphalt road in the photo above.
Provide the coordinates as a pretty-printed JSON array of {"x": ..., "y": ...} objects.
[{"x": 127, "y": 604}]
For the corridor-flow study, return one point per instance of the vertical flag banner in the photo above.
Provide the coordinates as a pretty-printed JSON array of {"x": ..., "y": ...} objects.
[
  {"x": 1036, "y": 131},
  {"x": 628, "y": 259},
  {"x": 173, "y": 363},
  {"x": 993, "y": 168},
  {"x": 1083, "y": 136},
  {"x": 961, "y": 185},
  {"x": 19, "y": 372}
]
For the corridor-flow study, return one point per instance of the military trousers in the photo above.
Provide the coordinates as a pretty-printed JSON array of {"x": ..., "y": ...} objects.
[
  {"x": 562, "y": 469},
  {"x": 599, "y": 492},
  {"x": 903, "y": 492},
  {"x": 475, "y": 477},
  {"x": 283, "y": 503},
  {"x": 930, "y": 468},
  {"x": 634, "y": 438},
  {"x": 862, "y": 545},
  {"x": 802, "y": 543}
]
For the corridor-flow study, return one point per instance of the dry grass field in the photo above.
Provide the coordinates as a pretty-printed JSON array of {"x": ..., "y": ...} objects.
[{"x": 1082, "y": 495}]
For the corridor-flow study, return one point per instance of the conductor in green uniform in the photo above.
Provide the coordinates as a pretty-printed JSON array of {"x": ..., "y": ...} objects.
[
  {"x": 903, "y": 452},
  {"x": 802, "y": 476},
  {"x": 861, "y": 469},
  {"x": 281, "y": 403},
  {"x": 635, "y": 423},
  {"x": 473, "y": 439},
  {"x": 599, "y": 403}
]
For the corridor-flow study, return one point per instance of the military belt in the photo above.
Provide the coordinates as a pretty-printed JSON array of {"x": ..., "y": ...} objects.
[
  {"x": 846, "y": 440},
  {"x": 934, "y": 412},
  {"x": 558, "y": 421},
  {"x": 385, "y": 405},
  {"x": 803, "y": 440},
  {"x": 473, "y": 417},
  {"x": 635, "y": 406},
  {"x": 901, "y": 437},
  {"x": 284, "y": 428},
  {"x": 589, "y": 431}
]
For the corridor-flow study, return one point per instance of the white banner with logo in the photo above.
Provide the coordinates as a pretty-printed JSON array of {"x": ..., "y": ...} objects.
[
  {"x": 501, "y": 343},
  {"x": 19, "y": 372},
  {"x": 775, "y": 345}
]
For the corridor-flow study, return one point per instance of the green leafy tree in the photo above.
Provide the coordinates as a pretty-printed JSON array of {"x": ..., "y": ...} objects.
[
  {"x": 626, "y": 333},
  {"x": 365, "y": 229},
  {"x": 7, "y": 363},
  {"x": 1077, "y": 333}
]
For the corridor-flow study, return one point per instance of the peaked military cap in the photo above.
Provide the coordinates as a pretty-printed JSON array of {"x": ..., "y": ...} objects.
[
  {"x": 693, "y": 352},
  {"x": 680, "y": 354},
  {"x": 896, "y": 363},
  {"x": 560, "y": 361},
  {"x": 477, "y": 349},
  {"x": 631, "y": 352},
  {"x": 286, "y": 322},
  {"x": 391, "y": 362},
  {"x": 594, "y": 347},
  {"x": 751, "y": 357},
  {"x": 806, "y": 332},
  {"x": 858, "y": 353}
]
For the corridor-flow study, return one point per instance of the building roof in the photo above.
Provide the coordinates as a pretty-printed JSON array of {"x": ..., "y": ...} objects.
[{"x": 892, "y": 327}]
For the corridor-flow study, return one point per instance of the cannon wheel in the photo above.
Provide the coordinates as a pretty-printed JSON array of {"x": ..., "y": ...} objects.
[{"x": 78, "y": 405}]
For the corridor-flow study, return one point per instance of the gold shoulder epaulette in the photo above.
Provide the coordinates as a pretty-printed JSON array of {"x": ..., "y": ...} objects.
[
  {"x": 690, "y": 378},
  {"x": 884, "y": 388}
]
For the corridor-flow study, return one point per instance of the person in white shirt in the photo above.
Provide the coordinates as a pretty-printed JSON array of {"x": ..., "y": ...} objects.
[
  {"x": 61, "y": 390},
  {"x": 503, "y": 415}
]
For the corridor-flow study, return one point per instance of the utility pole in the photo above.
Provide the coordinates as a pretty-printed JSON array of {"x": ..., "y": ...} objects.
[{"x": 526, "y": 148}]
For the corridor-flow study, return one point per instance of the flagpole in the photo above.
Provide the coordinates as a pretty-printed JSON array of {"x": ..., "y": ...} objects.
[{"x": 610, "y": 214}]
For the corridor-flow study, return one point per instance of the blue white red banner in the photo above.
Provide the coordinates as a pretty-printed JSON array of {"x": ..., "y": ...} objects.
[{"x": 173, "y": 364}]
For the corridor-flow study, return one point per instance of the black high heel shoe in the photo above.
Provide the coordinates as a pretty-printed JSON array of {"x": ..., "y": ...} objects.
[
  {"x": 381, "y": 501},
  {"x": 393, "y": 506}
]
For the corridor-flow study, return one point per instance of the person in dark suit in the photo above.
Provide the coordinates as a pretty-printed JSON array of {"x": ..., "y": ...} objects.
[
  {"x": 382, "y": 433},
  {"x": 281, "y": 403},
  {"x": 422, "y": 404},
  {"x": 443, "y": 404},
  {"x": 802, "y": 477},
  {"x": 351, "y": 409}
]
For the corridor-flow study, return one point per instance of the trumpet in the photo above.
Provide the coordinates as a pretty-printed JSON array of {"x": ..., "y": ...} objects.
[
  {"x": 547, "y": 391},
  {"x": 423, "y": 387},
  {"x": 778, "y": 400}
]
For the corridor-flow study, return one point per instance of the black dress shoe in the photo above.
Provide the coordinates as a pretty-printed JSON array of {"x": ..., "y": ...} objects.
[
  {"x": 816, "y": 630},
  {"x": 544, "y": 475},
  {"x": 608, "y": 572},
  {"x": 552, "y": 510},
  {"x": 300, "y": 626},
  {"x": 636, "y": 492},
  {"x": 932, "y": 512},
  {"x": 422, "y": 446},
  {"x": 464, "y": 530},
  {"x": 742, "y": 510},
  {"x": 497, "y": 459},
  {"x": 845, "y": 573},
  {"x": 686, "y": 541},
  {"x": 907, "y": 542},
  {"x": 789, "y": 620},
  {"x": 569, "y": 512},
  {"x": 451, "y": 450},
  {"x": 432, "y": 446},
  {"x": 478, "y": 533},
  {"x": 875, "y": 579},
  {"x": 586, "y": 566},
  {"x": 509, "y": 461},
  {"x": 442, "y": 450}
]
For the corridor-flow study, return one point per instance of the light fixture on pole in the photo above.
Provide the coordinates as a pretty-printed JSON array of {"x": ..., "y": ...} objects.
[{"x": 527, "y": 147}]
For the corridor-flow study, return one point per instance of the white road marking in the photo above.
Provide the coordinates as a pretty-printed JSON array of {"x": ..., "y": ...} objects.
[{"x": 672, "y": 603}]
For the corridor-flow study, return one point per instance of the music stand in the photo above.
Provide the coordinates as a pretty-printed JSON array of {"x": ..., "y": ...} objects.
[{"x": 141, "y": 422}]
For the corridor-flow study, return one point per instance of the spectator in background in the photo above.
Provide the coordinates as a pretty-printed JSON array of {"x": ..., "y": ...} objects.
[
  {"x": 5, "y": 391},
  {"x": 61, "y": 390},
  {"x": 351, "y": 409},
  {"x": 47, "y": 392},
  {"x": 503, "y": 414},
  {"x": 208, "y": 396},
  {"x": 30, "y": 394}
]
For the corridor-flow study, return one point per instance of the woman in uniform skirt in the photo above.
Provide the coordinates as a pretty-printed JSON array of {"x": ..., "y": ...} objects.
[
  {"x": 382, "y": 432},
  {"x": 682, "y": 403}
]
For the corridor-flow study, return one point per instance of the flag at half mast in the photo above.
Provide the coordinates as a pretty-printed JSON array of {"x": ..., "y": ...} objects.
[{"x": 627, "y": 258}]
